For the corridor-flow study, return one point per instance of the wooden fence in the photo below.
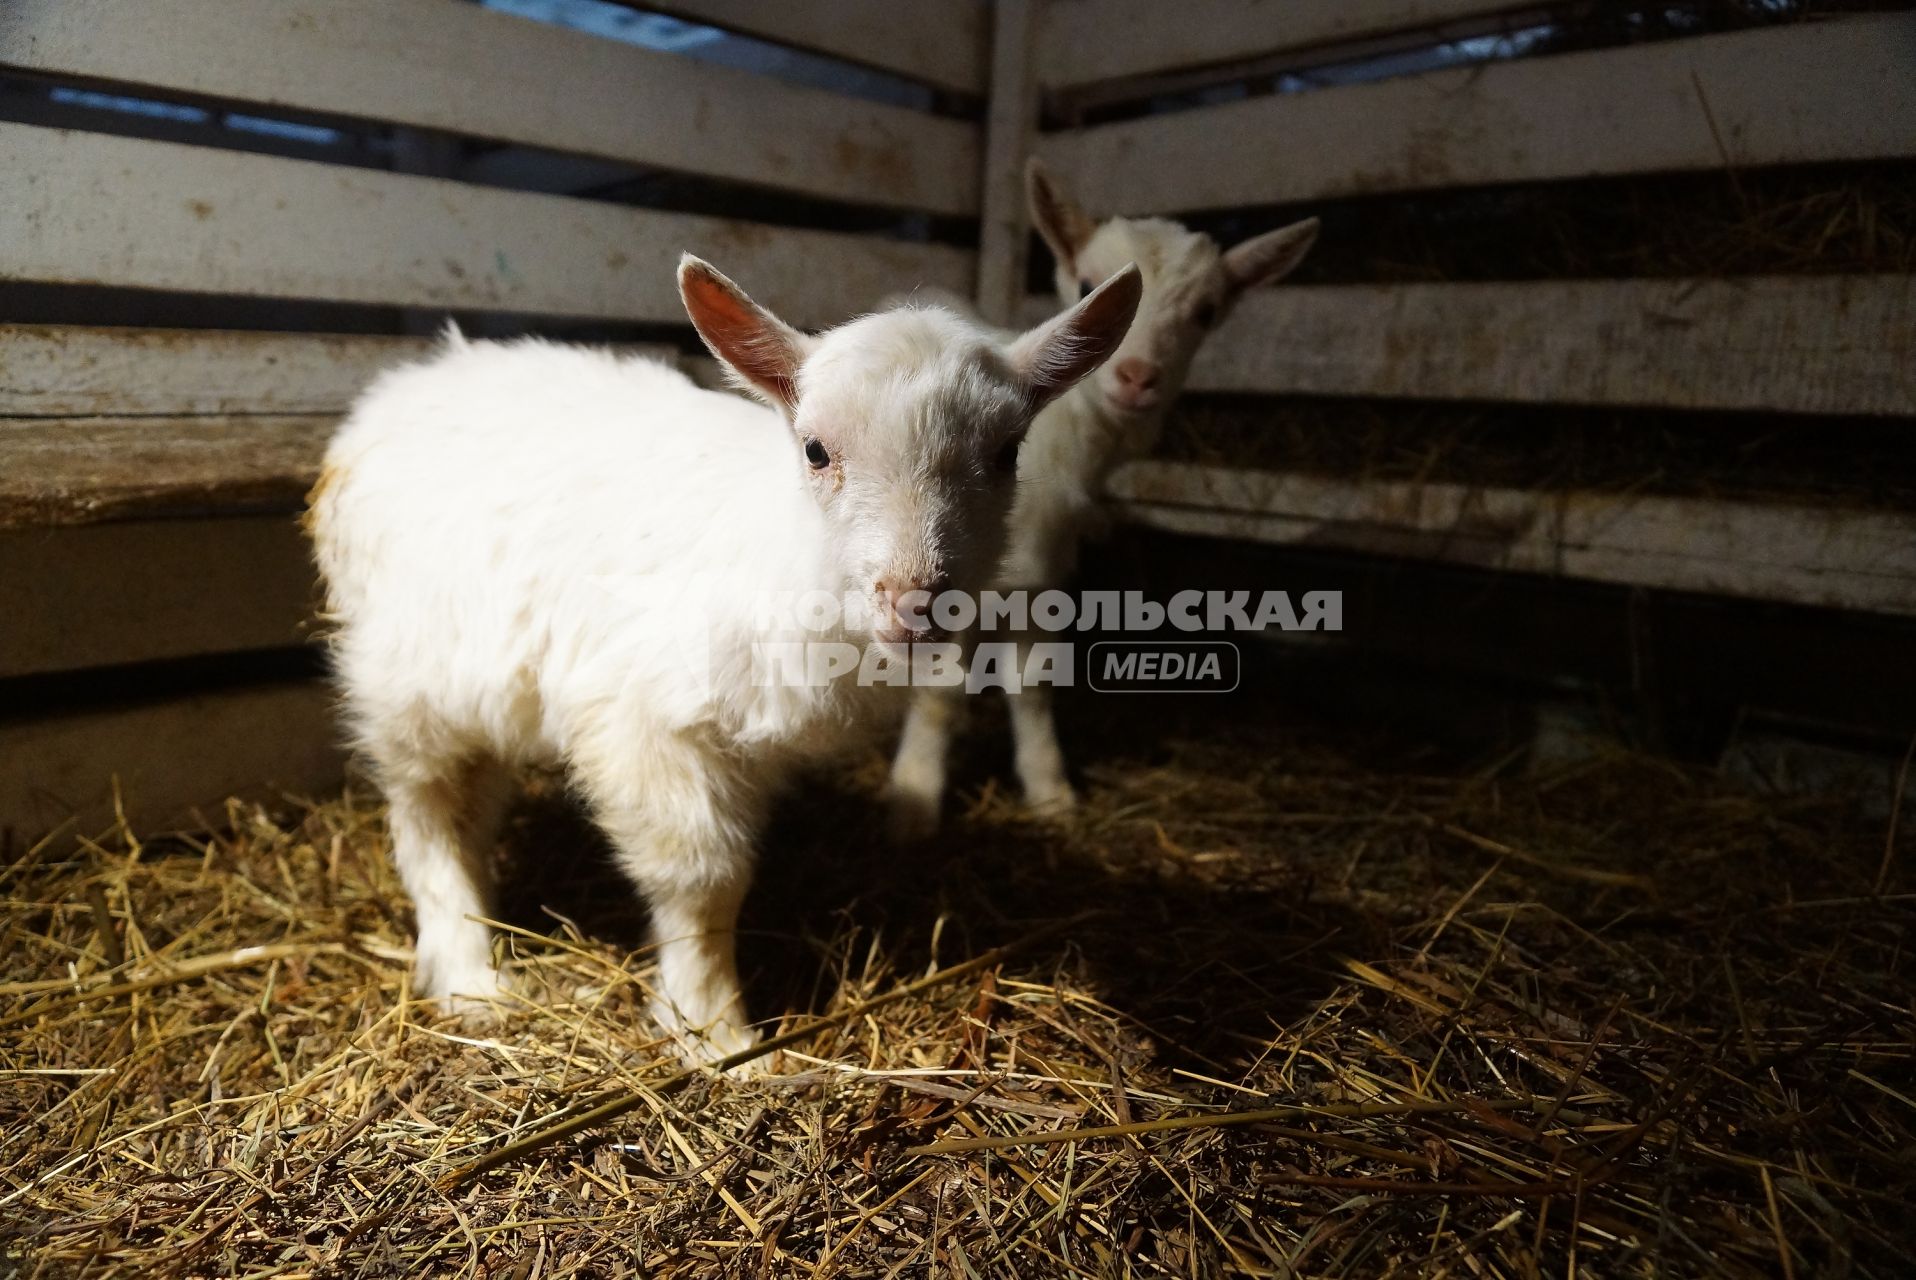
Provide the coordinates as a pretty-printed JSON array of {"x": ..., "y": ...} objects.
[
  {"x": 1802, "y": 93},
  {"x": 148, "y": 475}
]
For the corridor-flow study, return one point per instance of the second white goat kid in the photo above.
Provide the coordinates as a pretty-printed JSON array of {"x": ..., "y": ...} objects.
[
  {"x": 1190, "y": 285},
  {"x": 538, "y": 554}
]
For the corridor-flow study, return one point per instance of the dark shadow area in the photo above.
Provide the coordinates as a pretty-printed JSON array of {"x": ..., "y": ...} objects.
[
  {"x": 1200, "y": 963},
  {"x": 1844, "y": 461}
]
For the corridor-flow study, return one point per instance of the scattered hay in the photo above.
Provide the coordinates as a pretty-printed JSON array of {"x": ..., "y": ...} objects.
[{"x": 1338, "y": 1010}]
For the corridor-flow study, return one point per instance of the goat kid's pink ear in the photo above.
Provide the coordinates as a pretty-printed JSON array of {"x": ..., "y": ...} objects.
[
  {"x": 1268, "y": 258},
  {"x": 760, "y": 349},
  {"x": 1066, "y": 228},
  {"x": 1055, "y": 355}
]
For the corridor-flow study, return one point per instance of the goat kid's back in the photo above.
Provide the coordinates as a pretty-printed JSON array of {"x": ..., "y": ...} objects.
[{"x": 515, "y": 536}]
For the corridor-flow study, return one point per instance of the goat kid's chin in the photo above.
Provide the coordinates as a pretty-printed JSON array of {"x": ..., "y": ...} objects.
[
  {"x": 1127, "y": 402},
  {"x": 896, "y": 640}
]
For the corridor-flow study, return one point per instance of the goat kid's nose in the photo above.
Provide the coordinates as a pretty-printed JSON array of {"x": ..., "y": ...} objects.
[{"x": 1138, "y": 375}]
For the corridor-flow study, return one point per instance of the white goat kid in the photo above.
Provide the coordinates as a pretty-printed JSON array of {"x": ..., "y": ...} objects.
[
  {"x": 1190, "y": 284},
  {"x": 547, "y": 555}
]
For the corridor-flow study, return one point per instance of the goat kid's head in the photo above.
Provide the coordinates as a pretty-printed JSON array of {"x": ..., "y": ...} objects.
[
  {"x": 1190, "y": 284},
  {"x": 906, "y": 426}
]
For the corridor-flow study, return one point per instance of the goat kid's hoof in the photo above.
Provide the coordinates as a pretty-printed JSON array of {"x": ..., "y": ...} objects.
[
  {"x": 475, "y": 1012},
  {"x": 1056, "y": 801},
  {"x": 757, "y": 1068},
  {"x": 705, "y": 1052},
  {"x": 475, "y": 994},
  {"x": 710, "y": 1045}
]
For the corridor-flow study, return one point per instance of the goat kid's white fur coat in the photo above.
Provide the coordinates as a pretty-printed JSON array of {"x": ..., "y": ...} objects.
[{"x": 542, "y": 554}]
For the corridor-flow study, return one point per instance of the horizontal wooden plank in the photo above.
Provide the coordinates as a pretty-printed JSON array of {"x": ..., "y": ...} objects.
[
  {"x": 90, "y": 209},
  {"x": 446, "y": 65},
  {"x": 1800, "y": 555},
  {"x": 66, "y": 370},
  {"x": 72, "y": 370},
  {"x": 1788, "y": 344},
  {"x": 1803, "y": 344},
  {"x": 136, "y": 422},
  {"x": 171, "y": 765},
  {"x": 142, "y": 591},
  {"x": 169, "y": 453},
  {"x": 940, "y": 42},
  {"x": 1085, "y": 41},
  {"x": 1838, "y": 90},
  {"x": 56, "y": 471}
]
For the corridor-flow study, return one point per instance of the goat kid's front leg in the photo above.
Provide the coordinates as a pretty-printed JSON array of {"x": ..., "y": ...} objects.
[
  {"x": 1037, "y": 755},
  {"x": 916, "y": 789},
  {"x": 695, "y": 927},
  {"x": 684, "y": 836},
  {"x": 443, "y": 823}
]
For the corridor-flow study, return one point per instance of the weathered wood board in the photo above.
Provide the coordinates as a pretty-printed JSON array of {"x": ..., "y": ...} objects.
[
  {"x": 91, "y": 209},
  {"x": 58, "y": 370},
  {"x": 1799, "y": 344},
  {"x": 940, "y": 42},
  {"x": 101, "y": 595},
  {"x": 170, "y": 764},
  {"x": 65, "y": 371},
  {"x": 1830, "y": 91},
  {"x": 461, "y": 69},
  {"x": 1803, "y": 555},
  {"x": 1086, "y": 41},
  {"x": 56, "y": 471}
]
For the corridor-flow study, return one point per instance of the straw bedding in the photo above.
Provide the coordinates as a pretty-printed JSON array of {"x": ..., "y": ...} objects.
[{"x": 1351, "y": 1007}]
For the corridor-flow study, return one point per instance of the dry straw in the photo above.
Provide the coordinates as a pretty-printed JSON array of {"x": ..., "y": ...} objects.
[{"x": 1336, "y": 1012}]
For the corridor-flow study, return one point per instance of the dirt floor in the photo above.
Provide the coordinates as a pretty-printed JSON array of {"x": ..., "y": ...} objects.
[{"x": 1355, "y": 1007}]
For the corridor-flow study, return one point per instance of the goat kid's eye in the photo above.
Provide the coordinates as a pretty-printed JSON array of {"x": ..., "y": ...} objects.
[
  {"x": 817, "y": 454},
  {"x": 1084, "y": 289}
]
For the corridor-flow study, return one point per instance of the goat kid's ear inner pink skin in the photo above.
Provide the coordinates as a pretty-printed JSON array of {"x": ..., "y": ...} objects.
[{"x": 747, "y": 338}]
